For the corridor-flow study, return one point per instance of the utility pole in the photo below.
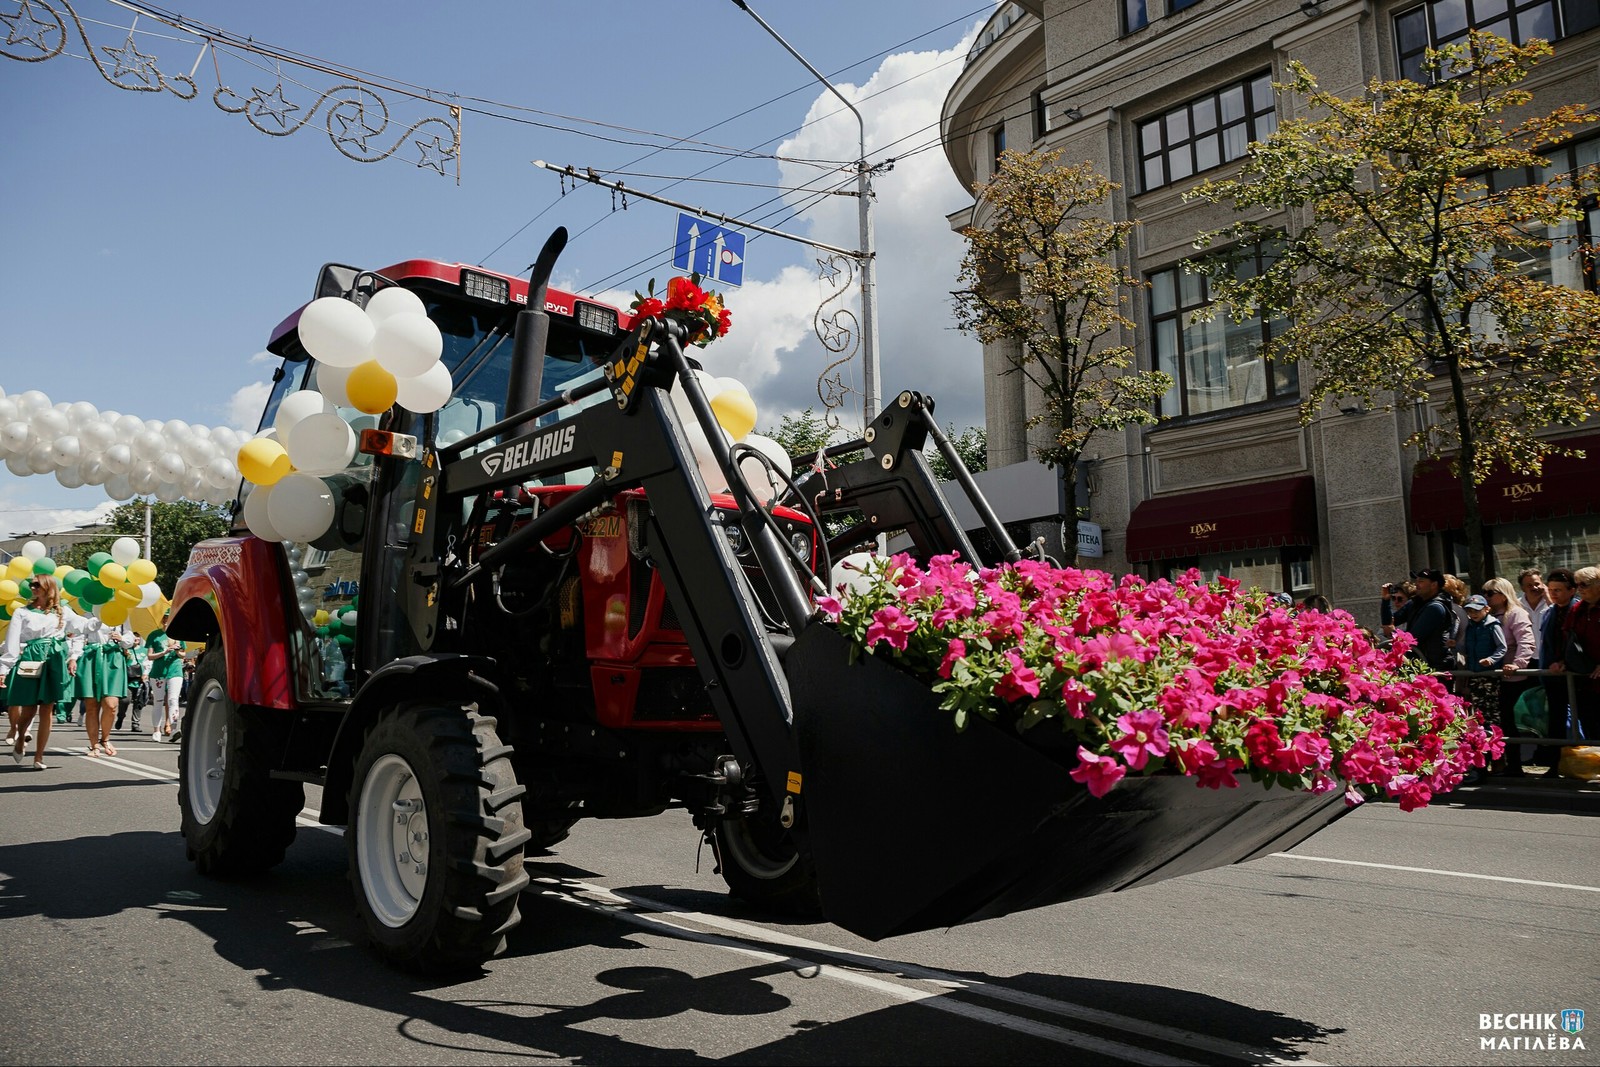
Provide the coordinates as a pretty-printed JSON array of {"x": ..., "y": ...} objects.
[
  {"x": 147, "y": 529},
  {"x": 869, "y": 296}
]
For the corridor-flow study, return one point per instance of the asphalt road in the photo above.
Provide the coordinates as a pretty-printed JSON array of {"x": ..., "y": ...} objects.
[{"x": 1380, "y": 940}]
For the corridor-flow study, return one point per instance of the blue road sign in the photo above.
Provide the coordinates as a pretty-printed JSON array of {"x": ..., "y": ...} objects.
[{"x": 714, "y": 252}]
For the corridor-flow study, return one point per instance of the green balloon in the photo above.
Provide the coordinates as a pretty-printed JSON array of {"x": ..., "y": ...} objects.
[
  {"x": 25, "y": 590},
  {"x": 355, "y": 601},
  {"x": 44, "y": 565},
  {"x": 73, "y": 582},
  {"x": 345, "y": 640},
  {"x": 5, "y": 611},
  {"x": 322, "y": 631},
  {"x": 96, "y": 561},
  {"x": 95, "y": 593}
]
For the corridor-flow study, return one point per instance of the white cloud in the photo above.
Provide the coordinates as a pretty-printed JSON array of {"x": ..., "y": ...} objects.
[
  {"x": 22, "y": 515},
  {"x": 772, "y": 347},
  {"x": 246, "y": 404}
]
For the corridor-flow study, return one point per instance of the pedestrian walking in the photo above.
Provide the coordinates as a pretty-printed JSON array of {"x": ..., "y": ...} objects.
[
  {"x": 39, "y": 661},
  {"x": 102, "y": 681},
  {"x": 165, "y": 677}
]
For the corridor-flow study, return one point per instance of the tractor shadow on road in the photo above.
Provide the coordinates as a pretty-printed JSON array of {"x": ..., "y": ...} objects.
[{"x": 577, "y": 985}]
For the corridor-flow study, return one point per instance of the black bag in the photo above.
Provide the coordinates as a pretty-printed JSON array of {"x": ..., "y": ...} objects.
[{"x": 1576, "y": 657}]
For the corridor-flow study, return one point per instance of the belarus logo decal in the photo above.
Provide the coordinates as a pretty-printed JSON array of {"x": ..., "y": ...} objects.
[
  {"x": 1572, "y": 1020},
  {"x": 491, "y": 463}
]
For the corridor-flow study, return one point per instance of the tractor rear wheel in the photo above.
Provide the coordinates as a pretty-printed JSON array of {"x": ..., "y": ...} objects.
[
  {"x": 236, "y": 819},
  {"x": 762, "y": 866},
  {"x": 436, "y": 837}
]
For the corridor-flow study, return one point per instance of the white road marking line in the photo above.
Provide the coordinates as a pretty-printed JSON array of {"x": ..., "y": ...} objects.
[
  {"x": 1430, "y": 870},
  {"x": 597, "y": 898}
]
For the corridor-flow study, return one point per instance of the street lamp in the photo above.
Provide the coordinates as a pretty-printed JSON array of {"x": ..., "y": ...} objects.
[{"x": 869, "y": 318}]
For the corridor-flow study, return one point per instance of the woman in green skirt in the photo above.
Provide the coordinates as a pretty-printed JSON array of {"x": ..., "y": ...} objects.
[
  {"x": 39, "y": 662},
  {"x": 102, "y": 681}
]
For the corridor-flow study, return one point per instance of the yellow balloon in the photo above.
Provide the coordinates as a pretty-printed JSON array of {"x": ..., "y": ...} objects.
[
  {"x": 129, "y": 594},
  {"x": 62, "y": 571},
  {"x": 320, "y": 618},
  {"x": 19, "y": 568},
  {"x": 371, "y": 388},
  {"x": 263, "y": 461},
  {"x": 735, "y": 412},
  {"x": 8, "y": 590},
  {"x": 114, "y": 613},
  {"x": 17, "y": 605},
  {"x": 112, "y": 575},
  {"x": 141, "y": 571}
]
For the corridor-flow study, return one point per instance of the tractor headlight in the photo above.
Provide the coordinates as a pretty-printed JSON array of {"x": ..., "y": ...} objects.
[
  {"x": 801, "y": 540},
  {"x": 735, "y": 535}
]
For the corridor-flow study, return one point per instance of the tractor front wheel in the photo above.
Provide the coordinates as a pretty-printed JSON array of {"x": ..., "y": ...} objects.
[
  {"x": 762, "y": 866},
  {"x": 436, "y": 838}
]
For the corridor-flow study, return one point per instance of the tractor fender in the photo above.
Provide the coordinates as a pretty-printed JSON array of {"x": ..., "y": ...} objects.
[
  {"x": 233, "y": 587},
  {"x": 451, "y": 676}
]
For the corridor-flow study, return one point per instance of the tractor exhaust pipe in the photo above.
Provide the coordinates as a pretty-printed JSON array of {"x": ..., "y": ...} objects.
[{"x": 532, "y": 334}]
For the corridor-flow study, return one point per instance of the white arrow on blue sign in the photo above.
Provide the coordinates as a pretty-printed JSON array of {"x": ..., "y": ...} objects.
[{"x": 714, "y": 252}]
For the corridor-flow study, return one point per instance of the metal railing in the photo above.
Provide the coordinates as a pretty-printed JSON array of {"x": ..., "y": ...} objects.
[{"x": 1492, "y": 715}]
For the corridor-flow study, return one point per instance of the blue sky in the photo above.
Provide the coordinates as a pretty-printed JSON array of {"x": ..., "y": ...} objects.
[{"x": 152, "y": 242}]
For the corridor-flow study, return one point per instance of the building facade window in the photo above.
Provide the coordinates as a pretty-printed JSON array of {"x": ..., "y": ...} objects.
[
  {"x": 1214, "y": 365},
  {"x": 1041, "y": 115},
  {"x": 1206, "y": 132},
  {"x": 1135, "y": 15},
  {"x": 1175, "y": 6},
  {"x": 1274, "y": 570},
  {"x": 997, "y": 141},
  {"x": 1570, "y": 259},
  {"x": 1442, "y": 22}
]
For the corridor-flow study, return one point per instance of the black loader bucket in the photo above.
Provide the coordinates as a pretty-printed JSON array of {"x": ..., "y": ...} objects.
[{"x": 914, "y": 825}]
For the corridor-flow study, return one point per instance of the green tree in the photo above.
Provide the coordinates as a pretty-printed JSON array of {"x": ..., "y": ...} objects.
[
  {"x": 1417, "y": 221},
  {"x": 175, "y": 528},
  {"x": 971, "y": 444},
  {"x": 1043, "y": 280}
]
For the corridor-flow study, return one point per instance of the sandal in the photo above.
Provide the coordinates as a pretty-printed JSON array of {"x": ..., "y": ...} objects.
[
  {"x": 107, "y": 748},
  {"x": 94, "y": 752},
  {"x": 40, "y": 765}
]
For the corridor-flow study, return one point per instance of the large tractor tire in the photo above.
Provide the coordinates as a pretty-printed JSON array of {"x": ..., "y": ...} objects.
[
  {"x": 236, "y": 818},
  {"x": 762, "y": 867},
  {"x": 436, "y": 838}
]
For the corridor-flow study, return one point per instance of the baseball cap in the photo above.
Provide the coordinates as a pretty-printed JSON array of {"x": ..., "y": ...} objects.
[
  {"x": 1433, "y": 575},
  {"x": 1476, "y": 603},
  {"x": 1282, "y": 598}
]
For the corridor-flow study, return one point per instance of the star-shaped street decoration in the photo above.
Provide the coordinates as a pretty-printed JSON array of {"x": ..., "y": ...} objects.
[
  {"x": 828, "y": 271},
  {"x": 355, "y": 129},
  {"x": 432, "y": 149},
  {"x": 129, "y": 60},
  {"x": 834, "y": 338},
  {"x": 26, "y": 28},
  {"x": 273, "y": 104},
  {"x": 833, "y": 391}
]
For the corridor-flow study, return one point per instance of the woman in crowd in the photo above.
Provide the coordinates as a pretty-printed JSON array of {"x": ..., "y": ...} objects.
[
  {"x": 164, "y": 673},
  {"x": 102, "y": 681},
  {"x": 39, "y": 661},
  {"x": 1514, "y": 619}
]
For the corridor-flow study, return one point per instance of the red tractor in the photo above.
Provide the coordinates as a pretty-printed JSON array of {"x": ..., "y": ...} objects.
[{"x": 560, "y": 619}]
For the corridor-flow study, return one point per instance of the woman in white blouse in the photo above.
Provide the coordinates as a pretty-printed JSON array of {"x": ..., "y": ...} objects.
[{"x": 38, "y": 664}]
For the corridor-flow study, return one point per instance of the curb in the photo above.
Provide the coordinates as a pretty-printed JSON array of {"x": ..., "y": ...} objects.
[{"x": 1550, "y": 794}]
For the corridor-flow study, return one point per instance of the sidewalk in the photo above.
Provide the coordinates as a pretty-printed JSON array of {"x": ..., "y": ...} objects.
[{"x": 1535, "y": 790}]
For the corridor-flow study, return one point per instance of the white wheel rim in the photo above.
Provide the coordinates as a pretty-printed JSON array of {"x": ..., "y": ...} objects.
[
  {"x": 392, "y": 838},
  {"x": 738, "y": 841},
  {"x": 207, "y": 757}
]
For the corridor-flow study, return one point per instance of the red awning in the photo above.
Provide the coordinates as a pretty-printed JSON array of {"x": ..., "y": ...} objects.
[
  {"x": 1566, "y": 486},
  {"x": 1258, "y": 515}
]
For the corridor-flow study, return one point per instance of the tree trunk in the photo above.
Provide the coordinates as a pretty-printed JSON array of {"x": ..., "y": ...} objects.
[{"x": 1472, "y": 520}]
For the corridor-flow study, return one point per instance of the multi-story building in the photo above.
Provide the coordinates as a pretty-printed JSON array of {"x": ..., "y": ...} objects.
[{"x": 1158, "y": 95}]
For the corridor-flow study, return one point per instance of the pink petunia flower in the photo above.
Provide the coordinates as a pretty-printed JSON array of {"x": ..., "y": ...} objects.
[
  {"x": 892, "y": 625},
  {"x": 1144, "y": 735},
  {"x": 1098, "y": 773},
  {"x": 1020, "y": 681},
  {"x": 956, "y": 650}
]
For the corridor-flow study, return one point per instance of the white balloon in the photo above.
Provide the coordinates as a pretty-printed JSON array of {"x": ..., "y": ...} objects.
[
  {"x": 394, "y": 301},
  {"x": 731, "y": 385},
  {"x": 69, "y": 477},
  {"x": 96, "y": 435},
  {"x": 193, "y": 486},
  {"x": 406, "y": 344},
  {"x": 33, "y": 551},
  {"x": 321, "y": 444},
  {"x": 762, "y": 483},
  {"x": 142, "y": 477},
  {"x": 331, "y": 384},
  {"x": 67, "y": 451},
  {"x": 149, "y": 593},
  {"x": 8, "y": 410},
  {"x": 93, "y": 470},
  {"x": 167, "y": 492},
  {"x": 32, "y": 401},
  {"x": 255, "y": 513},
  {"x": 226, "y": 440},
  {"x": 269, "y": 434},
  {"x": 154, "y": 425},
  {"x": 349, "y": 618},
  {"x": 297, "y": 406},
  {"x": 335, "y": 331},
  {"x": 128, "y": 427},
  {"x": 149, "y": 445},
  {"x": 118, "y": 487},
  {"x": 199, "y": 429},
  {"x": 124, "y": 550},
  {"x": 847, "y": 573},
  {"x": 17, "y": 463},
  {"x": 82, "y": 413},
  {"x": 197, "y": 451},
  {"x": 301, "y": 508},
  {"x": 169, "y": 467},
  {"x": 118, "y": 458},
  {"x": 220, "y": 473},
  {"x": 51, "y": 423},
  {"x": 40, "y": 457},
  {"x": 175, "y": 429},
  {"x": 427, "y": 392},
  {"x": 16, "y": 437}
]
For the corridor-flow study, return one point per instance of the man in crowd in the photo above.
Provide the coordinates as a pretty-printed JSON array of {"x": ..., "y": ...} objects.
[
  {"x": 1432, "y": 620},
  {"x": 1537, "y": 603},
  {"x": 1559, "y": 591}
]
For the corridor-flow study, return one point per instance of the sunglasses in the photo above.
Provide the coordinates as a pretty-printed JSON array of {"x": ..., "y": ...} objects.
[{"x": 1585, "y": 585}]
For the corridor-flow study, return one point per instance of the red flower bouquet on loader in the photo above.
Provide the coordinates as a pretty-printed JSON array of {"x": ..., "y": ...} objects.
[{"x": 700, "y": 311}]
